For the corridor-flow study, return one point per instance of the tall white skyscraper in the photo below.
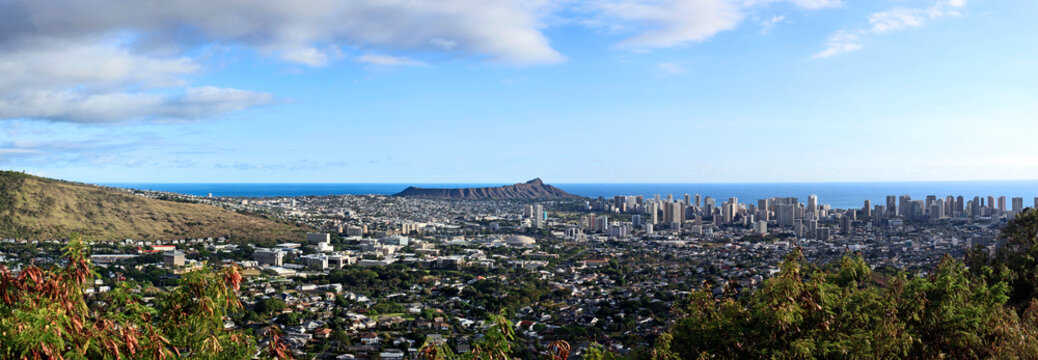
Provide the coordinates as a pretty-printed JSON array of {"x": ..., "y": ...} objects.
[
  {"x": 538, "y": 216},
  {"x": 654, "y": 211}
]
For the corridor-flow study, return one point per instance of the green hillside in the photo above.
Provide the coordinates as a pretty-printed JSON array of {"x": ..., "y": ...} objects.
[{"x": 39, "y": 208}]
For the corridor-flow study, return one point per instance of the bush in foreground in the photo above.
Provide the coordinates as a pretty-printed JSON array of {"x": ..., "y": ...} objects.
[{"x": 44, "y": 314}]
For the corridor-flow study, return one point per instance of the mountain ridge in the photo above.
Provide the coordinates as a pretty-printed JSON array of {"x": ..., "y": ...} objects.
[
  {"x": 533, "y": 189},
  {"x": 39, "y": 208}
]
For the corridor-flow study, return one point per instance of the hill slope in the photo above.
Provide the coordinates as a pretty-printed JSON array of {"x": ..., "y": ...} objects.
[
  {"x": 39, "y": 208},
  {"x": 533, "y": 189}
]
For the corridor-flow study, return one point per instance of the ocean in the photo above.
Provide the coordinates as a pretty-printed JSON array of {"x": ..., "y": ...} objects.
[{"x": 836, "y": 194}]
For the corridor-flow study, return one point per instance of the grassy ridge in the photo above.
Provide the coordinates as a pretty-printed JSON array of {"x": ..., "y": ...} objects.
[{"x": 39, "y": 208}]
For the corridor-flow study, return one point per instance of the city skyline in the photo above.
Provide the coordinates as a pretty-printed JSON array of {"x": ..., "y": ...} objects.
[{"x": 682, "y": 91}]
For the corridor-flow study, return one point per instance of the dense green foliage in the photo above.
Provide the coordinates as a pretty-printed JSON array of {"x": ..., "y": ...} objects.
[
  {"x": 45, "y": 314},
  {"x": 948, "y": 314},
  {"x": 1016, "y": 262},
  {"x": 987, "y": 310}
]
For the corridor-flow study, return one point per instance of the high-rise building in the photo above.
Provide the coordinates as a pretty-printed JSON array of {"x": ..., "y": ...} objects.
[
  {"x": 891, "y": 205},
  {"x": 902, "y": 205},
  {"x": 785, "y": 214},
  {"x": 727, "y": 212},
  {"x": 677, "y": 213},
  {"x": 697, "y": 200},
  {"x": 760, "y": 227},
  {"x": 538, "y": 216},
  {"x": 668, "y": 212},
  {"x": 866, "y": 210},
  {"x": 916, "y": 209},
  {"x": 1002, "y": 204},
  {"x": 1018, "y": 204},
  {"x": 812, "y": 204},
  {"x": 936, "y": 209},
  {"x": 688, "y": 199},
  {"x": 654, "y": 212}
]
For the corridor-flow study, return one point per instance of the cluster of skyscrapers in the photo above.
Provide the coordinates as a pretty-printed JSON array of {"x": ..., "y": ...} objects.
[
  {"x": 694, "y": 211},
  {"x": 536, "y": 214}
]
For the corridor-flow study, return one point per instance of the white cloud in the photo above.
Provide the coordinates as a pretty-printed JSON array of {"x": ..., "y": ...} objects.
[
  {"x": 673, "y": 22},
  {"x": 138, "y": 56},
  {"x": 670, "y": 68},
  {"x": 893, "y": 20},
  {"x": 65, "y": 64},
  {"x": 387, "y": 60},
  {"x": 668, "y": 23},
  {"x": 101, "y": 83},
  {"x": 839, "y": 43},
  {"x": 126, "y": 60},
  {"x": 115, "y": 107},
  {"x": 897, "y": 19},
  {"x": 443, "y": 43},
  {"x": 766, "y": 25},
  {"x": 303, "y": 31},
  {"x": 816, "y": 4}
]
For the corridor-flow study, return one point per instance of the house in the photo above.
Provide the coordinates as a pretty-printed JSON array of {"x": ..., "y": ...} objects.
[
  {"x": 370, "y": 339},
  {"x": 322, "y": 333}
]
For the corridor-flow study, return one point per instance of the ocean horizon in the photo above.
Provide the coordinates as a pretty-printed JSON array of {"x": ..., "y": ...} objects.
[{"x": 836, "y": 194}]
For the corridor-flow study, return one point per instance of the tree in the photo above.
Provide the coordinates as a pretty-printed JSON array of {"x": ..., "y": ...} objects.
[
  {"x": 44, "y": 314},
  {"x": 1015, "y": 261},
  {"x": 840, "y": 314}
]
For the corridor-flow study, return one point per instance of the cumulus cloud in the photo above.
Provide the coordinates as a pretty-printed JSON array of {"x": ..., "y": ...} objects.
[
  {"x": 66, "y": 64},
  {"x": 129, "y": 60},
  {"x": 893, "y": 20},
  {"x": 103, "y": 83},
  {"x": 304, "y": 31},
  {"x": 668, "y": 23},
  {"x": 387, "y": 60},
  {"x": 99, "y": 108}
]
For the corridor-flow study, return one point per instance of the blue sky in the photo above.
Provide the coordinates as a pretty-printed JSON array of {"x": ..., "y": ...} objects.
[{"x": 476, "y": 91}]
